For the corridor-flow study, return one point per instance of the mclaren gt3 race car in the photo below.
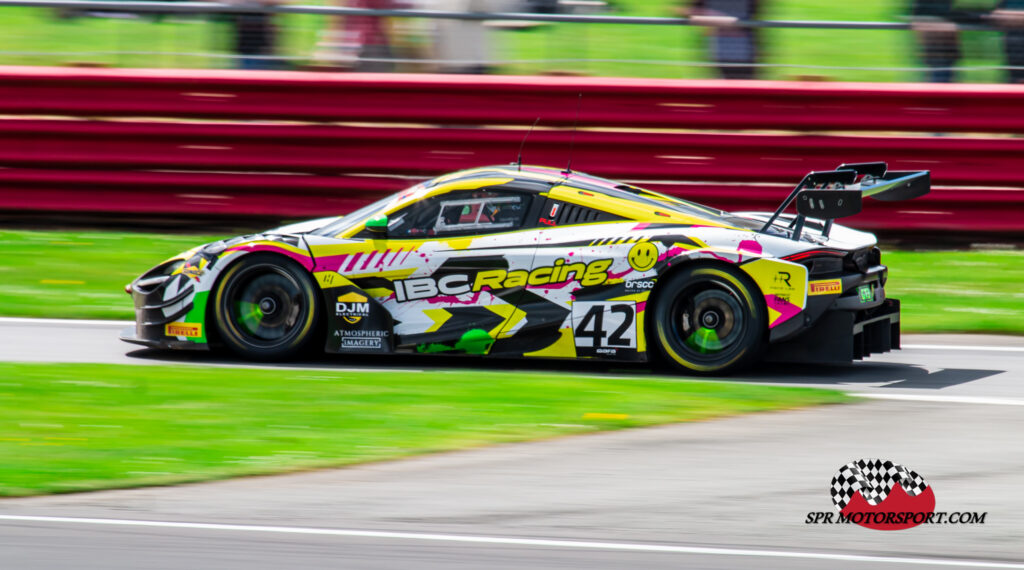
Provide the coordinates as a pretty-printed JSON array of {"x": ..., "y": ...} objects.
[{"x": 535, "y": 262}]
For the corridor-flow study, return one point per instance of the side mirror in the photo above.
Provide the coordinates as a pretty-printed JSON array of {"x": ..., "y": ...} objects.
[{"x": 378, "y": 225}]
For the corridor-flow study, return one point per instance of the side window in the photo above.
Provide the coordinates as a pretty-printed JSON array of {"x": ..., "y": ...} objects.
[{"x": 461, "y": 213}]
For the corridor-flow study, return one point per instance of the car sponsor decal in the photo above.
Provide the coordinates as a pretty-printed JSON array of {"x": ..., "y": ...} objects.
[
  {"x": 588, "y": 274},
  {"x": 189, "y": 330},
  {"x": 352, "y": 307},
  {"x": 361, "y": 339},
  {"x": 639, "y": 285},
  {"x": 784, "y": 285},
  {"x": 827, "y": 287},
  {"x": 362, "y": 343}
]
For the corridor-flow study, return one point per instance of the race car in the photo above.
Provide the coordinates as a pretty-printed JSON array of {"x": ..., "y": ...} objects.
[{"x": 531, "y": 262}]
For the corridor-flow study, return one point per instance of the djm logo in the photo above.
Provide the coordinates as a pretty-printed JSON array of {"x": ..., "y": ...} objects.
[{"x": 352, "y": 307}]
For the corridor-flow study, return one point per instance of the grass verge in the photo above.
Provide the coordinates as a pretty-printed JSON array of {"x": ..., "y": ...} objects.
[
  {"x": 958, "y": 291},
  {"x": 78, "y": 274},
  {"x": 82, "y": 275},
  {"x": 74, "y": 427}
]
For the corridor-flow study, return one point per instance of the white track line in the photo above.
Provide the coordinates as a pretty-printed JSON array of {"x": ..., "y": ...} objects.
[
  {"x": 547, "y": 543},
  {"x": 64, "y": 322},
  {"x": 967, "y": 347},
  {"x": 942, "y": 399}
]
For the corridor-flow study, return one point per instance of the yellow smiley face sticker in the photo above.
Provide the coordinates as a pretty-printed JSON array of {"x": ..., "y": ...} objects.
[{"x": 643, "y": 256}]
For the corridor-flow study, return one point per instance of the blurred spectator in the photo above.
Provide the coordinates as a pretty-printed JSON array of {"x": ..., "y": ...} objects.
[
  {"x": 360, "y": 43},
  {"x": 542, "y": 6},
  {"x": 939, "y": 37},
  {"x": 937, "y": 25},
  {"x": 370, "y": 36},
  {"x": 1010, "y": 17},
  {"x": 734, "y": 48},
  {"x": 465, "y": 46},
  {"x": 255, "y": 36}
]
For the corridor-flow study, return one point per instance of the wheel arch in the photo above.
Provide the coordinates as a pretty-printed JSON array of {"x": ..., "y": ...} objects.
[
  {"x": 213, "y": 330},
  {"x": 690, "y": 261},
  {"x": 782, "y": 301}
]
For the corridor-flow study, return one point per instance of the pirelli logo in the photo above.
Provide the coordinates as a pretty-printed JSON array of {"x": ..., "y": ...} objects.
[
  {"x": 829, "y": 287},
  {"x": 190, "y": 330}
]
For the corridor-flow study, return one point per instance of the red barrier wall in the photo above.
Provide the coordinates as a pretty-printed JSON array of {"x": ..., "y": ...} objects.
[
  {"x": 511, "y": 100},
  {"x": 304, "y": 144}
]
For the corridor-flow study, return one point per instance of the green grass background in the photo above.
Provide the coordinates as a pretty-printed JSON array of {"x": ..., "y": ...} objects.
[
  {"x": 79, "y": 274},
  {"x": 75, "y": 427},
  {"x": 82, "y": 274},
  {"x": 875, "y": 53},
  {"x": 958, "y": 291}
]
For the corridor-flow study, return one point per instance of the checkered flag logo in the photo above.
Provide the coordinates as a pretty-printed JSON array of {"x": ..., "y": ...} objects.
[{"x": 874, "y": 478}]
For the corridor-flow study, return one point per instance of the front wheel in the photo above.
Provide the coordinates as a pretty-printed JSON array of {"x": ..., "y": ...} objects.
[
  {"x": 266, "y": 308},
  {"x": 709, "y": 319}
]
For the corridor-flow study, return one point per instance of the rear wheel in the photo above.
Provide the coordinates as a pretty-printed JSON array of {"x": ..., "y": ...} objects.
[
  {"x": 709, "y": 319},
  {"x": 266, "y": 308}
]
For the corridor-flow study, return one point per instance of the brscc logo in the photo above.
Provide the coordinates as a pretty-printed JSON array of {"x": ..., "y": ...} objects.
[{"x": 882, "y": 495}]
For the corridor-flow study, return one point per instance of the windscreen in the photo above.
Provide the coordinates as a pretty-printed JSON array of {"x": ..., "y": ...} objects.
[{"x": 355, "y": 218}]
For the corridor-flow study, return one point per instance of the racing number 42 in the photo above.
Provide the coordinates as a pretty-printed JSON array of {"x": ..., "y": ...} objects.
[{"x": 611, "y": 325}]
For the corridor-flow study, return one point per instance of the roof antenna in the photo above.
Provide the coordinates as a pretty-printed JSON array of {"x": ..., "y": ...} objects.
[
  {"x": 572, "y": 141},
  {"x": 519, "y": 160}
]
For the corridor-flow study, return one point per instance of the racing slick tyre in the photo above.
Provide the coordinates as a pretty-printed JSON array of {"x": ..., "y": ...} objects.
[
  {"x": 266, "y": 307},
  {"x": 709, "y": 319}
]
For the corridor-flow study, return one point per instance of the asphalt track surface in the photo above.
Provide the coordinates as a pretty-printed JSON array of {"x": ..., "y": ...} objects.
[
  {"x": 943, "y": 366},
  {"x": 719, "y": 494}
]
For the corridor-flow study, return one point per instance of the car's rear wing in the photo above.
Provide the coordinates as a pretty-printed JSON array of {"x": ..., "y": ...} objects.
[{"x": 839, "y": 193}]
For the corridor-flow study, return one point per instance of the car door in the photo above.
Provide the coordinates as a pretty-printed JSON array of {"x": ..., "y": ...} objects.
[
  {"x": 577, "y": 301},
  {"x": 450, "y": 290}
]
